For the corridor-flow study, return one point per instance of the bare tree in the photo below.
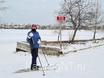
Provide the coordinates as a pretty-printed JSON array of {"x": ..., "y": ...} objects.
[
  {"x": 78, "y": 12},
  {"x": 98, "y": 17}
]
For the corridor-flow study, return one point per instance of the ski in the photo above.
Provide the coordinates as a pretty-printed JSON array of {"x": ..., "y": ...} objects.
[{"x": 45, "y": 68}]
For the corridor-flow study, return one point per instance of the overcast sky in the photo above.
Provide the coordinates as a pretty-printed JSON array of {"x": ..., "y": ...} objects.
[{"x": 31, "y": 11}]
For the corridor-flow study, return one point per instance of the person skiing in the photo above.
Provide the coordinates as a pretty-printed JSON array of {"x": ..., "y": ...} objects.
[{"x": 34, "y": 40}]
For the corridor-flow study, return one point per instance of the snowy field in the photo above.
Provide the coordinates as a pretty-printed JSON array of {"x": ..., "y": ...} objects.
[{"x": 82, "y": 64}]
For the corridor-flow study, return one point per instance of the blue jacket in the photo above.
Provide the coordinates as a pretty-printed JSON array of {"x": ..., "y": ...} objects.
[{"x": 33, "y": 40}]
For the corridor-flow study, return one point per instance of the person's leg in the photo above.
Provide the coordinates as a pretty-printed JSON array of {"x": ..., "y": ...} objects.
[
  {"x": 34, "y": 53},
  {"x": 33, "y": 62}
]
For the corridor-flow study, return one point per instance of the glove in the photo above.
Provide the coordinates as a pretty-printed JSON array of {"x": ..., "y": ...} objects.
[{"x": 39, "y": 42}]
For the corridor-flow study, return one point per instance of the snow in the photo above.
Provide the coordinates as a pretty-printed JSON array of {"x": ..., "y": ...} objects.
[{"x": 81, "y": 64}]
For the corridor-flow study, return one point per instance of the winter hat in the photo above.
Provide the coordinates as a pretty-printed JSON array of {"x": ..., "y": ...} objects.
[{"x": 34, "y": 26}]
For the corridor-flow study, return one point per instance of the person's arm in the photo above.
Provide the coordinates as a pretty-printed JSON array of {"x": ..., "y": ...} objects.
[{"x": 29, "y": 36}]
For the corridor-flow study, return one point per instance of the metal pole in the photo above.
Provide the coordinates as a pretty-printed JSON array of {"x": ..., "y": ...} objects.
[
  {"x": 60, "y": 36},
  {"x": 46, "y": 58},
  {"x": 41, "y": 65}
]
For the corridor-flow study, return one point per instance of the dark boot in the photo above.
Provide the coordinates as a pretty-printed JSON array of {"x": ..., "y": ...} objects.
[{"x": 34, "y": 67}]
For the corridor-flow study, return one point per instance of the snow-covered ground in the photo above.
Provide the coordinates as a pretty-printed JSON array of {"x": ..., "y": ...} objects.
[{"x": 82, "y": 64}]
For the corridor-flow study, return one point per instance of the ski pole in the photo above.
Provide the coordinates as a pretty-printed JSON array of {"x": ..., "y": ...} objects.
[
  {"x": 41, "y": 65},
  {"x": 45, "y": 58}
]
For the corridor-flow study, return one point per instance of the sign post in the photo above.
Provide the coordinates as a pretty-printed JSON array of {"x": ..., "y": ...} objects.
[{"x": 60, "y": 20}]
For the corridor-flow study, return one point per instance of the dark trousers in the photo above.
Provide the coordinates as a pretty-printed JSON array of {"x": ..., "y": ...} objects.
[{"x": 34, "y": 54}]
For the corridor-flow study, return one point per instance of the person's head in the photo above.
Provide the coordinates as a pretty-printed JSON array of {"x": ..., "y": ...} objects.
[{"x": 33, "y": 27}]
